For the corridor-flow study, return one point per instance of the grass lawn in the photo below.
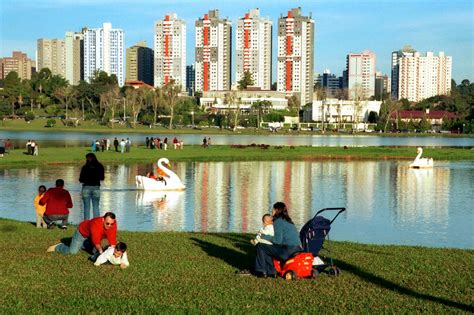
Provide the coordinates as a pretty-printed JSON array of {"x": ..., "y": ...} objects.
[
  {"x": 227, "y": 153},
  {"x": 195, "y": 273}
]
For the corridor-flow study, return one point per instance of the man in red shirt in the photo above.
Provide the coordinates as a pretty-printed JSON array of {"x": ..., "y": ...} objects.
[
  {"x": 57, "y": 201},
  {"x": 91, "y": 232}
]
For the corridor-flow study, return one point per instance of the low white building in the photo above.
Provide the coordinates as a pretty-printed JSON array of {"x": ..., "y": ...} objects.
[
  {"x": 216, "y": 100},
  {"x": 334, "y": 110}
]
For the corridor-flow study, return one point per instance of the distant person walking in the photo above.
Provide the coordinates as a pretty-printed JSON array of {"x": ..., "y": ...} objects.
[
  {"x": 57, "y": 201},
  {"x": 122, "y": 146},
  {"x": 116, "y": 144},
  {"x": 92, "y": 173},
  {"x": 128, "y": 143},
  {"x": 2, "y": 147}
]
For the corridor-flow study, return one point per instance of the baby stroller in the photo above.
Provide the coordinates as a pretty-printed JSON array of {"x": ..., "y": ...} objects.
[{"x": 308, "y": 264}]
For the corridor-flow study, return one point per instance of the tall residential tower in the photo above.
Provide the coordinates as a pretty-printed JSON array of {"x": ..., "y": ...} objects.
[
  {"x": 170, "y": 51},
  {"x": 104, "y": 50},
  {"x": 213, "y": 53},
  {"x": 361, "y": 75},
  {"x": 296, "y": 55},
  {"x": 254, "y": 49},
  {"x": 52, "y": 55},
  {"x": 139, "y": 66},
  {"x": 74, "y": 47}
]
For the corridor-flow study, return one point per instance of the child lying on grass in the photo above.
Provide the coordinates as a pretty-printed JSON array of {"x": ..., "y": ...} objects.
[{"x": 114, "y": 255}]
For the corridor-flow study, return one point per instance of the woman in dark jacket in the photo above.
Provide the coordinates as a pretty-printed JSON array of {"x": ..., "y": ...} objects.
[
  {"x": 91, "y": 175},
  {"x": 286, "y": 242}
]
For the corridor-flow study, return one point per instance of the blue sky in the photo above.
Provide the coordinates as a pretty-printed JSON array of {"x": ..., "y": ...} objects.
[{"x": 342, "y": 26}]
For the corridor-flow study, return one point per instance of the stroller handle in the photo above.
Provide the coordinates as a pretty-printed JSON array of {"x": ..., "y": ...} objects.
[{"x": 340, "y": 210}]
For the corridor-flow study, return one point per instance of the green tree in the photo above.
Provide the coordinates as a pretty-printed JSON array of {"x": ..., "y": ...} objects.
[
  {"x": 12, "y": 89},
  {"x": 260, "y": 107},
  {"x": 246, "y": 81}
]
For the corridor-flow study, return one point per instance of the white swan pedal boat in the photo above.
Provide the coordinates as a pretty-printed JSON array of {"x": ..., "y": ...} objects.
[
  {"x": 420, "y": 162},
  {"x": 171, "y": 180}
]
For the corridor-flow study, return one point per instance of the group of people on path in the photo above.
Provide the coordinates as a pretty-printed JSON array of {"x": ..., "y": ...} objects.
[
  {"x": 5, "y": 146},
  {"x": 53, "y": 205},
  {"x": 32, "y": 147},
  {"x": 162, "y": 144}
]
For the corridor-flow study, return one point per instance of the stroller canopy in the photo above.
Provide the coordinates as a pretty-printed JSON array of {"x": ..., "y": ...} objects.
[{"x": 313, "y": 233}]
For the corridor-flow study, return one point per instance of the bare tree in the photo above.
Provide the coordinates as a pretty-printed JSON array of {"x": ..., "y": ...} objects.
[
  {"x": 157, "y": 100},
  {"x": 65, "y": 95},
  {"x": 231, "y": 100},
  {"x": 391, "y": 106},
  {"x": 135, "y": 99},
  {"x": 171, "y": 91}
]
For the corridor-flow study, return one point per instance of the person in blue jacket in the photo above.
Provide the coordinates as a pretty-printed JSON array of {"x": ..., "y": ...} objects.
[{"x": 286, "y": 242}]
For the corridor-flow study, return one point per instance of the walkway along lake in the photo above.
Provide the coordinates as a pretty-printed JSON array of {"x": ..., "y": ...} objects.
[
  {"x": 72, "y": 139},
  {"x": 387, "y": 203}
]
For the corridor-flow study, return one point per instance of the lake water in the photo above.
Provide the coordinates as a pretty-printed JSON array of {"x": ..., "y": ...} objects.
[
  {"x": 387, "y": 202},
  {"x": 47, "y": 139}
]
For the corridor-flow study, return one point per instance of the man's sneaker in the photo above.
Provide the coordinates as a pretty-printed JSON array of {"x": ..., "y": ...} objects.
[
  {"x": 63, "y": 227},
  {"x": 52, "y": 248}
]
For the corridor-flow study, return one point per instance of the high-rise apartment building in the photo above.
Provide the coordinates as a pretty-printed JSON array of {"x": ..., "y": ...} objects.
[
  {"x": 20, "y": 63},
  {"x": 190, "y": 77},
  {"x": 213, "y": 53},
  {"x": 406, "y": 51},
  {"x": 424, "y": 76},
  {"x": 361, "y": 75},
  {"x": 51, "y": 54},
  {"x": 382, "y": 85},
  {"x": 330, "y": 83},
  {"x": 104, "y": 50},
  {"x": 139, "y": 66},
  {"x": 74, "y": 50},
  {"x": 296, "y": 55},
  {"x": 170, "y": 51},
  {"x": 254, "y": 49}
]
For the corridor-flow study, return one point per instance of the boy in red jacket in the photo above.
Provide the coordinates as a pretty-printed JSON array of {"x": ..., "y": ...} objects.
[
  {"x": 57, "y": 201},
  {"x": 91, "y": 232}
]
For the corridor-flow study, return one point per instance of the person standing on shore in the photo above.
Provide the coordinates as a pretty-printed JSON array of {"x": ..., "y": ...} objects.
[
  {"x": 39, "y": 208},
  {"x": 128, "y": 143},
  {"x": 92, "y": 173},
  {"x": 116, "y": 144},
  {"x": 147, "y": 142},
  {"x": 122, "y": 146}
]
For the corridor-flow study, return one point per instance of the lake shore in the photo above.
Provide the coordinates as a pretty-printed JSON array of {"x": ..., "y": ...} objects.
[
  {"x": 195, "y": 273},
  {"x": 75, "y": 155},
  {"x": 94, "y": 127}
]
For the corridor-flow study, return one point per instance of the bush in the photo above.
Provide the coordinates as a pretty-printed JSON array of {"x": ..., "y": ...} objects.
[
  {"x": 50, "y": 123},
  {"x": 51, "y": 110},
  {"x": 29, "y": 116}
]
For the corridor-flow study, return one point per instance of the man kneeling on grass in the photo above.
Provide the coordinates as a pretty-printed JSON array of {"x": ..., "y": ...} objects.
[
  {"x": 90, "y": 233},
  {"x": 115, "y": 256}
]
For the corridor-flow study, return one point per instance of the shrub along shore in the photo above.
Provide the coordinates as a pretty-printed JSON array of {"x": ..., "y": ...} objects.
[
  {"x": 73, "y": 155},
  {"x": 195, "y": 273}
]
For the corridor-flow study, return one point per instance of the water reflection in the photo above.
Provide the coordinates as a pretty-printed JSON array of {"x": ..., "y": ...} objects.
[{"x": 387, "y": 202}]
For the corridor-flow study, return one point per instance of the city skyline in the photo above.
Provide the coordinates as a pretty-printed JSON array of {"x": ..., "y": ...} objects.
[{"x": 341, "y": 27}]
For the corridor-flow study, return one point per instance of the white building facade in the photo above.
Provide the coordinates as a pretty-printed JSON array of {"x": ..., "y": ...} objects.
[
  {"x": 296, "y": 56},
  {"x": 254, "y": 49},
  {"x": 361, "y": 68},
  {"x": 213, "y": 53},
  {"x": 423, "y": 76},
  {"x": 334, "y": 110},
  {"x": 104, "y": 50},
  {"x": 170, "y": 51}
]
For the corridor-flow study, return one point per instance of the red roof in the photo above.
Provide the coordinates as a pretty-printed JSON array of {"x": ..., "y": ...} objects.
[
  {"x": 137, "y": 84},
  {"x": 419, "y": 114}
]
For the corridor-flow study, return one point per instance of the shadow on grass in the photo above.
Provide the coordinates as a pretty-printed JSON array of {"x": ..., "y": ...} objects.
[
  {"x": 385, "y": 284},
  {"x": 230, "y": 256}
]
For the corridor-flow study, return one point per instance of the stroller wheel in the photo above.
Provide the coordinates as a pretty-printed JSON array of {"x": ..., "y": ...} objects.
[
  {"x": 290, "y": 275},
  {"x": 334, "y": 271},
  {"x": 314, "y": 273}
]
